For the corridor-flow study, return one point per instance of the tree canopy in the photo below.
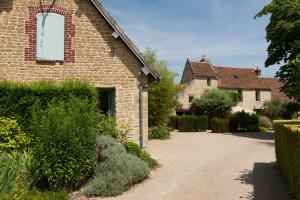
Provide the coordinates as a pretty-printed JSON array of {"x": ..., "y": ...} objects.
[
  {"x": 284, "y": 42},
  {"x": 163, "y": 96},
  {"x": 213, "y": 103}
]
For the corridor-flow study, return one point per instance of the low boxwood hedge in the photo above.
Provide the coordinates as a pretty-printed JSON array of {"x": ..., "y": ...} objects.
[
  {"x": 287, "y": 144},
  {"x": 191, "y": 123}
]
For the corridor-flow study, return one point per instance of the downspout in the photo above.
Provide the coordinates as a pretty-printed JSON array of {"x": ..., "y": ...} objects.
[{"x": 141, "y": 110}]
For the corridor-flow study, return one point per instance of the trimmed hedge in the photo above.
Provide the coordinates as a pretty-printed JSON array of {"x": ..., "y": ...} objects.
[
  {"x": 287, "y": 144},
  {"x": 17, "y": 99},
  {"x": 242, "y": 121},
  {"x": 219, "y": 125},
  {"x": 191, "y": 123}
]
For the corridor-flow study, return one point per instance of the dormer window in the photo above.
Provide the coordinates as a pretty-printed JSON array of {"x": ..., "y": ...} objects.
[{"x": 50, "y": 37}]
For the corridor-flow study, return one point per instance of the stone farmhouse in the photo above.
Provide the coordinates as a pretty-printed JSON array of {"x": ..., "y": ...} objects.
[
  {"x": 77, "y": 39},
  {"x": 253, "y": 89}
]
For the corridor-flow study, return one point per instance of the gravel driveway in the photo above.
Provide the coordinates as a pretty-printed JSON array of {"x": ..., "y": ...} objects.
[{"x": 210, "y": 166}]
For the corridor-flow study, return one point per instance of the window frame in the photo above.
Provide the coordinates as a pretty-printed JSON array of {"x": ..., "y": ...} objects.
[
  {"x": 258, "y": 95},
  {"x": 208, "y": 81},
  {"x": 240, "y": 96},
  {"x": 191, "y": 98}
]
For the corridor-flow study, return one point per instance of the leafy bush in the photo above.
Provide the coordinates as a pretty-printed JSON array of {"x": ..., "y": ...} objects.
[
  {"x": 64, "y": 143},
  {"x": 11, "y": 136},
  {"x": 219, "y": 125},
  {"x": 135, "y": 149},
  {"x": 242, "y": 121},
  {"x": 213, "y": 103},
  {"x": 159, "y": 132},
  {"x": 287, "y": 140},
  {"x": 17, "y": 99},
  {"x": 116, "y": 170},
  {"x": 162, "y": 96},
  {"x": 265, "y": 122},
  {"x": 173, "y": 122},
  {"x": 274, "y": 109},
  {"x": 14, "y": 171},
  {"x": 190, "y": 123}
]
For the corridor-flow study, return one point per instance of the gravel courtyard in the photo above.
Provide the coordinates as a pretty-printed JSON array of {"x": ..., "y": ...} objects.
[{"x": 210, "y": 166}]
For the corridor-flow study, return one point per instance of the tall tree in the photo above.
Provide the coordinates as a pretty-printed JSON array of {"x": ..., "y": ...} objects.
[
  {"x": 163, "y": 96},
  {"x": 284, "y": 42}
]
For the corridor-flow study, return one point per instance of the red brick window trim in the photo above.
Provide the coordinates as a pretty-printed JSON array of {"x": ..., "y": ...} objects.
[{"x": 31, "y": 29}]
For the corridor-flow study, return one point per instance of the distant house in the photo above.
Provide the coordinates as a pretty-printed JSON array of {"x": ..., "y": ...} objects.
[
  {"x": 253, "y": 90},
  {"x": 61, "y": 39}
]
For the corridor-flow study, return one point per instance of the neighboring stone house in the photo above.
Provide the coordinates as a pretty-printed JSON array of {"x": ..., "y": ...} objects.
[
  {"x": 62, "y": 39},
  {"x": 253, "y": 90}
]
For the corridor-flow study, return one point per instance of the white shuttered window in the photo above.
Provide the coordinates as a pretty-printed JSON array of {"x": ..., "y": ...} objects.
[{"x": 50, "y": 37}]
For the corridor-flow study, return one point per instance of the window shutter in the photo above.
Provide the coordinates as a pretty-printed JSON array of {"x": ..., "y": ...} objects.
[{"x": 50, "y": 37}]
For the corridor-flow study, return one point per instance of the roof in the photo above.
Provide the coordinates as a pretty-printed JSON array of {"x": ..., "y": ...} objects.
[
  {"x": 202, "y": 69},
  {"x": 275, "y": 85},
  {"x": 239, "y": 78},
  {"x": 124, "y": 37}
]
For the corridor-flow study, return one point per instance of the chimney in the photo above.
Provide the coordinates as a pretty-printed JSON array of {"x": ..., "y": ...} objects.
[
  {"x": 257, "y": 71},
  {"x": 204, "y": 59}
]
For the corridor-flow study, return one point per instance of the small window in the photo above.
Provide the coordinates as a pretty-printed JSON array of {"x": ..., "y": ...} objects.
[
  {"x": 257, "y": 95},
  {"x": 208, "y": 81},
  {"x": 107, "y": 99},
  {"x": 191, "y": 98},
  {"x": 240, "y": 95},
  {"x": 50, "y": 37}
]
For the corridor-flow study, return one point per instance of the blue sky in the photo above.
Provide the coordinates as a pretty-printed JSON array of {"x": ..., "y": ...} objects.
[{"x": 223, "y": 30}]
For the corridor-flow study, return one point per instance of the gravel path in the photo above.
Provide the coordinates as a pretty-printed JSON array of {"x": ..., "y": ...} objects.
[{"x": 209, "y": 166}]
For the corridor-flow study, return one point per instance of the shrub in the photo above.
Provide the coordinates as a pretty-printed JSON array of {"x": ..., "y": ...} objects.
[
  {"x": 14, "y": 171},
  {"x": 219, "y": 125},
  {"x": 11, "y": 136},
  {"x": 17, "y": 99},
  {"x": 63, "y": 143},
  {"x": 135, "y": 149},
  {"x": 242, "y": 121},
  {"x": 116, "y": 170},
  {"x": 213, "y": 103},
  {"x": 173, "y": 122},
  {"x": 274, "y": 109},
  {"x": 159, "y": 132},
  {"x": 191, "y": 123},
  {"x": 287, "y": 145},
  {"x": 265, "y": 122}
]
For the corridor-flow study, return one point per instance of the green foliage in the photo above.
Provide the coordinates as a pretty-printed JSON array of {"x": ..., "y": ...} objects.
[
  {"x": 63, "y": 143},
  {"x": 173, "y": 122},
  {"x": 17, "y": 99},
  {"x": 163, "y": 96},
  {"x": 274, "y": 109},
  {"x": 135, "y": 149},
  {"x": 159, "y": 132},
  {"x": 219, "y": 125},
  {"x": 116, "y": 170},
  {"x": 242, "y": 121},
  {"x": 190, "y": 123},
  {"x": 287, "y": 144},
  {"x": 284, "y": 42},
  {"x": 213, "y": 103},
  {"x": 27, "y": 193},
  {"x": 108, "y": 126},
  {"x": 265, "y": 122},
  {"x": 14, "y": 171},
  {"x": 11, "y": 135}
]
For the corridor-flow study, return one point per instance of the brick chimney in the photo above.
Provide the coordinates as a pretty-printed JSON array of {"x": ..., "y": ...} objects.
[{"x": 257, "y": 71}]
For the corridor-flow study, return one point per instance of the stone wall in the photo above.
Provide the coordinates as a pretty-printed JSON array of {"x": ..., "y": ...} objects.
[{"x": 98, "y": 57}]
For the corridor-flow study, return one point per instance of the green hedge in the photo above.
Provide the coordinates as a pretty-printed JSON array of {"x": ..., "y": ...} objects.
[
  {"x": 242, "y": 121},
  {"x": 191, "y": 123},
  {"x": 17, "y": 99},
  {"x": 287, "y": 144},
  {"x": 219, "y": 125},
  {"x": 159, "y": 133}
]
